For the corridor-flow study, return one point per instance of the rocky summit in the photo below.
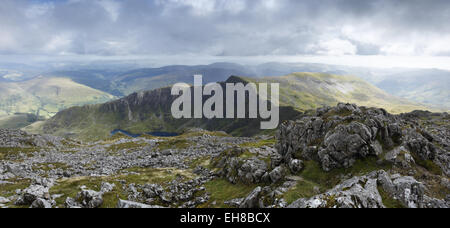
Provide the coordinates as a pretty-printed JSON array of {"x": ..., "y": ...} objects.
[{"x": 333, "y": 157}]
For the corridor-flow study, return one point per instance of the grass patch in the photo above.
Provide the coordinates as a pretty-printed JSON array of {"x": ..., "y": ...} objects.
[
  {"x": 388, "y": 201},
  {"x": 50, "y": 166},
  {"x": 7, "y": 190},
  {"x": 428, "y": 165},
  {"x": 10, "y": 153},
  {"x": 125, "y": 146},
  {"x": 173, "y": 144},
  {"x": 155, "y": 176},
  {"x": 303, "y": 189},
  {"x": 70, "y": 187},
  {"x": 313, "y": 171},
  {"x": 202, "y": 161},
  {"x": 221, "y": 190},
  {"x": 259, "y": 144}
]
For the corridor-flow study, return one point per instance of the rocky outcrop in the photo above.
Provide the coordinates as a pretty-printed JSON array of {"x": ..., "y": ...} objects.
[
  {"x": 363, "y": 192},
  {"x": 239, "y": 165},
  {"x": 130, "y": 204},
  {"x": 20, "y": 139},
  {"x": 338, "y": 136}
]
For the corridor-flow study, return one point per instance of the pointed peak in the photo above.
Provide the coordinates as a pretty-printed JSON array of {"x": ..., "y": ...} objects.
[{"x": 236, "y": 79}]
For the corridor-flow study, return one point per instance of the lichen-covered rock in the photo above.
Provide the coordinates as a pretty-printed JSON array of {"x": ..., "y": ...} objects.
[
  {"x": 358, "y": 192},
  {"x": 130, "y": 204},
  {"x": 247, "y": 170},
  {"x": 41, "y": 203},
  {"x": 90, "y": 198},
  {"x": 252, "y": 200},
  {"x": 337, "y": 136},
  {"x": 277, "y": 174},
  {"x": 363, "y": 192},
  {"x": 32, "y": 193}
]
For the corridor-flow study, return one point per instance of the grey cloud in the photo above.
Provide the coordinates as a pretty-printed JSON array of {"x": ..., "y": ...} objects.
[{"x": 224, "y": 27}]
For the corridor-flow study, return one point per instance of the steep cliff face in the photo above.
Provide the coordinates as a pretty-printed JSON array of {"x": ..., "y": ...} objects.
[{"x": 145, "y": 112}]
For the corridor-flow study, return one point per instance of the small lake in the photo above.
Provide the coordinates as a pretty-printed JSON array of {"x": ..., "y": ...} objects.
[{"x": 156, "y": 134}]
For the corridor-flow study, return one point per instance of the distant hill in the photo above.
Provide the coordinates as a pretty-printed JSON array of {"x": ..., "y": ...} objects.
[
  {"x": 44, "y": 96},
  {"x": 430, "y": 87},
  {"x": 305, "y": 91},
  {"x": 150, "y": 111},
  {"x": 18, "y": 120}
]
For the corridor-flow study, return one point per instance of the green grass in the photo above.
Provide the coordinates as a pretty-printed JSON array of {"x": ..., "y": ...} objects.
[
  {"x": 7, "y": 190},
  {"x": 173, "y": 144},
  {"x": 388, "y": 201},
  {"x": 125, "y": 146},
  {"x": 221, "y": 190},
  {"x": 201, "y": 161},
  {"x": 427, "y": 164},
  {"x": 46, "y": 166},
  {"x": 259, "y": 144},
  {"x": 314, "y": 173},
  {"x": 303, "y": 189},
  {"x": 9, "y": 153},
  {"x": 70, "y": 187}
]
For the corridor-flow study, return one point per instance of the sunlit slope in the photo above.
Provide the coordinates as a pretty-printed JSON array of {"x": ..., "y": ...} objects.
[
  {"x": 305, "y": 91},
  {"x": 46, "y": 96}
]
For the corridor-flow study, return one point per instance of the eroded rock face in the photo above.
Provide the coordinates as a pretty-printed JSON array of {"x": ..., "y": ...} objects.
[
  {"x": 20, "y": 139},
  {"x": 363, "y": 192},
  {"x": 338, "y": 136},
  {"x": 248, "y": 170},
  {"x": 344, "y": 144}
]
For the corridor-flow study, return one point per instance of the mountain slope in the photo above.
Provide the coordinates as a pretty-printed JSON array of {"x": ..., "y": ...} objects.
[
  {"x": 153, "y": 78},
  {"x": 150, "y": 111},
  {"x": 142, "y": 112},
  {"x": 305, "y": 91},
  {"x": 431, "y": 87},
  {"x": 46, "y": 96}
]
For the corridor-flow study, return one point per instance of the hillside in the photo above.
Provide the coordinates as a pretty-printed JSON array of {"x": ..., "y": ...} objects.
[
  {"x": 45, "y": 96},
  {"x": 150, "y": 111},
  {"x": 305, "y": 91},
  {"x": 335, "y": 157},
  {"x": 121, "y": 83},
  {"x": 142, "y": 112},
  {"x": 430, "y": 87}
]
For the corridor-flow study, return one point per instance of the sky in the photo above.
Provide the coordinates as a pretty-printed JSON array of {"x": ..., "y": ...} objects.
[{"x": 348, "y": 32}]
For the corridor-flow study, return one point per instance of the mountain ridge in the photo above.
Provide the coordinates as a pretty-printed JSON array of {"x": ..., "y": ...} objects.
[{"x": 150, "y": 110}]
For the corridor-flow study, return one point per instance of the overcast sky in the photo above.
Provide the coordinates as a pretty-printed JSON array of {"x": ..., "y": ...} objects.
[{"x": 317, "y": 29}]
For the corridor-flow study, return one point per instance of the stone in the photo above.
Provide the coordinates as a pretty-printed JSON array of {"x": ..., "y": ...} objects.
[
  {"x": 107, "y": 187},
  {"x": 277, "y": 174},
  {"x": 4, "y": 200},
  {"x": 72, "y": 203},
  {"x": 130, "y": 204},
  {"x": 41, "y": 203},
  {"x": 32, "y": 193},
  {"x": 296, "y": 165},
  {"x": 252, "y": 200},
  {"x": 90, "y": 198}
]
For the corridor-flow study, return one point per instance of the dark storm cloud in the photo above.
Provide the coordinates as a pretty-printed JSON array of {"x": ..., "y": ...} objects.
[{"x": 225, "y": 27}]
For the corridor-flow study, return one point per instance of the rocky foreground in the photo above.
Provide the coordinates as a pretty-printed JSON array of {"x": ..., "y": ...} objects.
[{"x": 334, "y": 157}]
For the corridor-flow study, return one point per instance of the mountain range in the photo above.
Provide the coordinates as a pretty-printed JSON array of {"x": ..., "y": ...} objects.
[
  {"x": 45, "y": 94},
  {"x": 150, "y": 111}
]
